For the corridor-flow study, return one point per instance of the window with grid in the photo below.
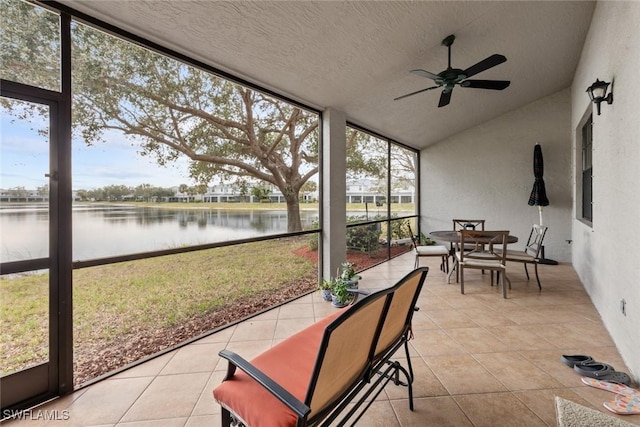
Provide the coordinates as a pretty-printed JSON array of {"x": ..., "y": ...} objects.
[{"x": 587, "y": 169}]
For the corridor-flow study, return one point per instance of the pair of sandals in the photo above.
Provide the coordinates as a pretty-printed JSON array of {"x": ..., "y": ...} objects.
[
  {"x": 588, "y": 367},
  {"x": 627, "y": 399}
]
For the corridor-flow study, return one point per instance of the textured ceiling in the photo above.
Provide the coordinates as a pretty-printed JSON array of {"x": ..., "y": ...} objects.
[{"x": 355, "y": 56}]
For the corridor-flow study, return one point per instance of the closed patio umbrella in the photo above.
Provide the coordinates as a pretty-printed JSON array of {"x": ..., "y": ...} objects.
[{"x": 538, "y": 195}]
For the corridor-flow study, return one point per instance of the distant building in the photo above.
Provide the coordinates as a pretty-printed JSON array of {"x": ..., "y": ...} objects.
[{"x": 358, "y": 191}]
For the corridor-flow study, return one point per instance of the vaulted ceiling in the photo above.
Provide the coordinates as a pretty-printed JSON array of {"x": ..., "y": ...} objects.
[{"x": 355, "y": 56}]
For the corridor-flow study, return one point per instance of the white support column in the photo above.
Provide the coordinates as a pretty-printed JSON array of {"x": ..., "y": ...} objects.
[{"x": 334, "y": 219}]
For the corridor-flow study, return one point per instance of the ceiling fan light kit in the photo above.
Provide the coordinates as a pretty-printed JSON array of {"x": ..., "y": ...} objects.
[{"x": 451, "y": 77}]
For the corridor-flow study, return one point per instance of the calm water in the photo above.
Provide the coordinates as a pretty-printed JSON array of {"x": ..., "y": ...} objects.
[{"x": 106, "y": 230}]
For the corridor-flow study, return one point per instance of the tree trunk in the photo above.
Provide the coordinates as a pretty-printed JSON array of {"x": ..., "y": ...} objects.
[{"x": 293, "y": 213}]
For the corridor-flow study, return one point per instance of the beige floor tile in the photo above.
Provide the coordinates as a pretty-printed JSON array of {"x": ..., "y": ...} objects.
[
  {"x": 247, "y": 349},
  {"x": 221, "y": 336},
  {"x": 254, "y": 329},
  {"x": 477, "y": 340},
  {"x": 520, "y": 338},
  {"x": 58, "y": 408},
  {"x": 205, "y": 404},
  {"x": 516, "y": 372},
  {"x": 92, "y": 408},
  {"x": 429, "y": 301},
  {"x": 193, "y": 358},
  {"x": 448, "y": 319},
  {"x": 487, "y": 317},
  {"x": 497, "y": 410},
  {"x": 431, "y": 411},
  {"x": 462, "y": 374},
  {"x": 296, "y": 311},
  {"x": 549, "y": 362},
  {"x": 378, "y": 414},
  {"x": 204, "y": 421},
  {"x": 267, "y": 315},
  {"x": 542, "y": 402},
  {"x": 425, "y": 383},
  {"x": 422, "y": 321},
  {"x": 434, "y": 342},
  {"x": 287, "y": 327},
  {"x": 323, "y": 310},
  {"x": 149, "y": 368},
  {"x": 577, "y": 335},
  {"x": 168, "y": 396},
  {"x": 165, "y": 422}
]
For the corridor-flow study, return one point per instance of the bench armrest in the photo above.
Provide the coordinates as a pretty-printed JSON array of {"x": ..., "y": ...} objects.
[{"x": 261, "y": 378}]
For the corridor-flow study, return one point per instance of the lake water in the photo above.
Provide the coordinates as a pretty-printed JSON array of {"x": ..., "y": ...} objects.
[{"x": 107, "y": 230}]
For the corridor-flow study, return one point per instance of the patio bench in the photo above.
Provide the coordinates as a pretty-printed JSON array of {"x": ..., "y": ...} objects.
[{"x": 314, "y": 376}]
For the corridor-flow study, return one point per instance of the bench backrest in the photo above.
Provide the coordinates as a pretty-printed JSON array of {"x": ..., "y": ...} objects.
[
  {"x": 400, "y": 313},
  {"x": 353, "y": 342}
]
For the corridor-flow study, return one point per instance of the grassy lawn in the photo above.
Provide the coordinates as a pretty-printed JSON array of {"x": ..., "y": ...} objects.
[{"x": 140, "y": 297}]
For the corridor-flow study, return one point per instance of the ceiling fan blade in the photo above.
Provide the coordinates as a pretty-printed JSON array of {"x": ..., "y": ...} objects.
[
  {"x": 426, "y": 74},
  {"x": 416, "y": 92},
  {"x": 486, "y": 84},
  {"x": 445, "y": 97},
  {"x": 485, "y": 64}
]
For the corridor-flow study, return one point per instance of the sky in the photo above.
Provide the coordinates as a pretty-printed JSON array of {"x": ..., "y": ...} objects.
[{"x": 24, "y": 160}]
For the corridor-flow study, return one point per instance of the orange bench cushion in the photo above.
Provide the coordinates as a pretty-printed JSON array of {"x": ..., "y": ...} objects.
[{"x": 290, "y": 364}]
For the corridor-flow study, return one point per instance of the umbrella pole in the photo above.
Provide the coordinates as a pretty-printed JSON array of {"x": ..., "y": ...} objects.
[
  {"x": 544, "y": 260},
  {"x": 540, "y": 212}
]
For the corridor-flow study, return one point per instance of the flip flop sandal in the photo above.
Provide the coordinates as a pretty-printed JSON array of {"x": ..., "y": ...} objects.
[
  {"x": 594, "y": 369},
  {"x": 612, "y": 387},
  {"x": 602, "y": 371},
  {"x": 624, "y": 405},
  {"x": 576, "y": 359}
]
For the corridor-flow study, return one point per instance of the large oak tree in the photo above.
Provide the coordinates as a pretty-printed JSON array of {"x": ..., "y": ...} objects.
[{"x": 170, "y": 109}]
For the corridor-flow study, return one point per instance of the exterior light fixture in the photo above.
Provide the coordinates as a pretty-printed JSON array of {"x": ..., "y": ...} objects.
[{"x": 597, "y": 92}]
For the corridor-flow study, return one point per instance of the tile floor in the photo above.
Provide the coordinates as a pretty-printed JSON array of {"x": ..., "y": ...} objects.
[{"x": 479, "y": 360}]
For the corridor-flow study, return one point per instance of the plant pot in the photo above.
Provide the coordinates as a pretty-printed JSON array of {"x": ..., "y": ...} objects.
[
  {"x": 352, "y": 284},
  {"x": 336, "y": 303},
  {"x": 326, "y": 294}
]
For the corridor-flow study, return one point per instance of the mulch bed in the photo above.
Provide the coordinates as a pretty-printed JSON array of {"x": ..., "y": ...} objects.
[{"x": 92, "y": 361}]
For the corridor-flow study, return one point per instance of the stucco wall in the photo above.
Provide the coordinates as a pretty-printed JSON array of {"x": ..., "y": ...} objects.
[
  {"x": 607, "y": 255},
  {"x": 487, "y": 172}
]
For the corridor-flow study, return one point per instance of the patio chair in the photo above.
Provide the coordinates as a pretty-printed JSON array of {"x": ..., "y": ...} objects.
[
  {"x": 531, "y": 253},
  {"x": 463, "y": 224},
  {"x": 466, "y": 224},
  {"x": 484, "y": 256},
  {"x": 429, "y": 251}
]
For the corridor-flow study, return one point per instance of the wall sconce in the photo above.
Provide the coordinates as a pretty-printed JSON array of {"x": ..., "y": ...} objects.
[{"x": 597, "y": 92}]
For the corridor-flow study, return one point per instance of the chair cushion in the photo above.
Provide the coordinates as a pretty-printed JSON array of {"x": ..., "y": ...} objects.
[
  {"x": 476, "y": 255},
  {"x": 519, "y": 256},
  {"x": 432, "y": 250},
  {"x": 486, "y": 263},
  {"x": 262, "y": 408}
]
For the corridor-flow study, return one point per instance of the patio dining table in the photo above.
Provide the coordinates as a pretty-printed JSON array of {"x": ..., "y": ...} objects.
[{"x": 452, "y": 236}]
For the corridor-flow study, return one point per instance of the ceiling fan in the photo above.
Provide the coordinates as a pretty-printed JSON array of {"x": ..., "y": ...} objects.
[{"x": 450, "y": 77}]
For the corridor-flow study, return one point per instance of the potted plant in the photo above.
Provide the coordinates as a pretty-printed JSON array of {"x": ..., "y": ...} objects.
[
  {"x": 325, "y": 289},
  {"x": 426, "y": 241},
  {"x": 340, "y": 295},
  {"x": 348, "y": 274}
]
